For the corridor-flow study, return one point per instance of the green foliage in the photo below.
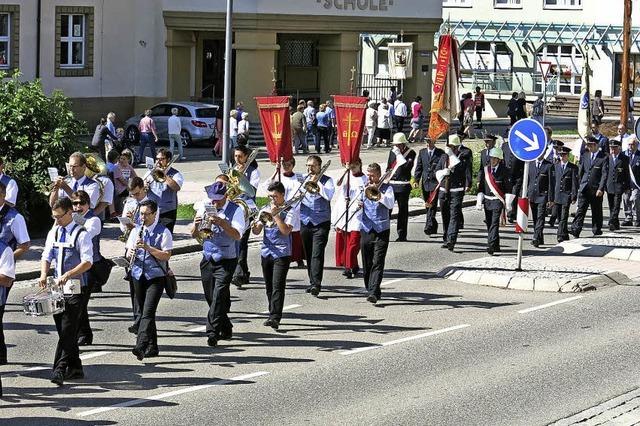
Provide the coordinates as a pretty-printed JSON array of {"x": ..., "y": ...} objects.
[{"x": 36, "y": 131}]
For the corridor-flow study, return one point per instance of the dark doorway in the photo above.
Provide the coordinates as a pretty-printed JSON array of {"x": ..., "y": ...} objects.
[{"x": 212, "y": 70}]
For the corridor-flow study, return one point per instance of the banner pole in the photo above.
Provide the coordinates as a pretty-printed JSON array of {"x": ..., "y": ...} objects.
[{"x": 346, "y": 223}]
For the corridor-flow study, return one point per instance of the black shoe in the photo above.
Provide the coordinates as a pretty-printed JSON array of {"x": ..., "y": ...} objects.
[
  {"x": 3, "y": 361},
  {"x": 450, "y": 246},
  {"x": 85, "y": 340},
  {"x": 212, "y": 341},
  {"x": 225, "y": 335},
  {"x": 490, "y": 251},
  {"x": 597, "y": 233},
  {"x": 535, "y": 243},
  {"x": 138, "y": 352},
  {"x": 355, "y": 271},
  {"x": 612, "y": 228},
  {"x": 444, "y": 245},
  {"x": 301, "y": 264},
  {"x": 626, "y": 223},
  {"x": 237, "y": 281},
  {"x": 401, "y": 239},
  {"x": 57, "y": 377},
  {"x": 315, "y": 291},
  {"x": 560, "y": 239},
  {"x": 349, "y": 274},
  {"x": 345, "y": 273},
  {"x": 274, "y": 323},
  {"x": 73, "y": 374},
  {"x": 372, "y": 299},
  {"x": 575, "y": 233},
  {"x": 637, "y": 224},
  {"x": 151, "y": 351},
  {"x": 511, "y": 220},
  {"x": 133, "y": 329},
  {"x": 308, "y": 289},
  {"x": 268, "y": 323}
]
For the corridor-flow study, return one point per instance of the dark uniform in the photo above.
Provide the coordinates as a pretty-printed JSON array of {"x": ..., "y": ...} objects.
[
  {"x": 426, "y": 171},
  {"x": 466, "y": 155},
  {"x": 540, "y": 192},
  {"x": 451, "y": 195},
  {"x": 553, "y": 156},
  {"x": 566, "y": 193},
  {"x": 593, "y": 171},
  {"x": 515, "y": 174},
  {"x": 618, "y": 180},
  {"x": 493, "y": 204},
  {"x": 631, "y": 203},
  {"x": 401, "y": 184}
]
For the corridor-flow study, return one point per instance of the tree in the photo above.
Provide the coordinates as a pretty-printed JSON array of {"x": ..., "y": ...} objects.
[{"x": 36, "y": 131}]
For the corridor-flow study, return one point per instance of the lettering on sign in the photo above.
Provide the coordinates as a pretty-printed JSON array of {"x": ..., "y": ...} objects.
[{"x": 370, "y": 5}]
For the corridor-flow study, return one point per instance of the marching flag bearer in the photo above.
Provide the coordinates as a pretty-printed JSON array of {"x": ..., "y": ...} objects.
[
  {"x": 566, "y": 191},
  {"x": 374, "y": 239},
  {"x": 493, "y": 187}
]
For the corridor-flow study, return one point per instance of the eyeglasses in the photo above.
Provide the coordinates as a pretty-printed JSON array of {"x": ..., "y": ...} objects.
[
  {"x": 78, "y": 203},
  {"x": 59, "y": 216},
  {"x": 160, "y": 158},
  {"x": 145, "y": 214}
]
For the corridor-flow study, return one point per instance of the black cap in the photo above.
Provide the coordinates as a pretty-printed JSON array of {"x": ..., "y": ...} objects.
[
  {"x": 557, "y": 143},
  {"x": 564, "y": 150},
  {"x": 615, "y": 142},
  {"x": 591, "y": 139}
]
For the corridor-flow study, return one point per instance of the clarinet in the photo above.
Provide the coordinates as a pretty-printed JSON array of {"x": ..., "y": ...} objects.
[{"x": 133, "y": 256}]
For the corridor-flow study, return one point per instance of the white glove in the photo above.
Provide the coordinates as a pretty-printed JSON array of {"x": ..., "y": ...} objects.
[
  {"x": 395, "y": 150},
  {"x": 446, "y": 172},
  {"x": 448, "y": 151}
]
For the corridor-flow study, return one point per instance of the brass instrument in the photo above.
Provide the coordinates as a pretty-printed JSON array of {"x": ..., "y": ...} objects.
[
  {"x": 372, "y": 192},
  {"x": 266, "y": 218},
  {"x": 159, "y": 174},
  {"x": 95, "y": 168},
  {"x": 311, "y": 184},
  {"x": 124, "y": 237},
  {"x": 204, "y": 228},
  {"x": 250, "y": 159}
]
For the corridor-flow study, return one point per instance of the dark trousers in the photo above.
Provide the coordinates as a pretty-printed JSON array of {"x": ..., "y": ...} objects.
[
  {"x": 146, "y": 139},
  {"x": 563, "y": 219},
  {"x": 614, "y": 209},
  {"x": 479, "y": 115},
  {"x": 588, "y": 200},
  {"x": 555, "y": 212},
  {"x": 323, "y": 134},
  {"x": 67, "y": 351},
  {"x": 492, "y": 218},
  {"x": 431, "y": 222},
  {"x": 402, "y": 198},
  {"x": 398, "y": 122},
  {"x": 451, "y": 207},
  {"x": 134, "y": 304},
  {"x": 539, "y": 212},
  {"x": 373, "y": 246},
  {"x": 216, "y": 278},
  {"x": 242, "y": 268},
  {"x": 84, "y": 326},
  {"x": 148, "y": 294},
  {"x": 275, "y": 272},
  {"x": 168, "y": 219},
  {"x": 314, "y": 240},
  {"x": 3, "y": 346}
]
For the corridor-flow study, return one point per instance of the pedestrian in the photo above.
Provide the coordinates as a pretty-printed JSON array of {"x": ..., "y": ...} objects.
[
  {"x": 233, "y": 128},
  {"x": 371, "y": 122},
  {"x": 166, "y": 190},
  {"x": 399, "y": 113},
  {"x": 383, "y": 127},
  {"x": 468, "y": 107},
  {"x": 324, "y": 122},
  {"x": 478, "y": 101},
  {"x": 631, "y": 121},
  {"x": 565, "y": 192},
  {"x": 537, "y": 111},
  {"x": 521, "y": 111},
  {"x": 622, "y": 136},
  {"x": 122, "y": 175},
  {"x": 101, "y": 135},
  {"x": 299, "y": 131},
  {"x": 493, "y": 185},
  {"x": 175, "y": 130},
  {"x": 425, "y": 172},
  {"x": 593, "y": 171},
  {"x": 597, "y": 108},
  {"x": 330, "y": 110},
  {"x": 148, "y": 136},
  {"x": 512, "y": 108},
  {"x": 416, "y": 120},
  {"x": 603, "y": 141},
  {"x": 111, "y": 125},
  {"x": 618, "y": 182},
  {"x": 239, "y": 110},
  {"x": 243, "y": 127}
]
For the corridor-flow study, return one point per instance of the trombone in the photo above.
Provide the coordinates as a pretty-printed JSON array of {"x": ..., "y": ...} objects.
[
  {"x": 159, "y": 174},
  {"x": 372, "y": 192},
  {"x": 310, "y": 184}
]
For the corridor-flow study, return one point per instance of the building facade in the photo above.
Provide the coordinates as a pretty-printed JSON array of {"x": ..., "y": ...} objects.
[{"x": 123, "y": 55}]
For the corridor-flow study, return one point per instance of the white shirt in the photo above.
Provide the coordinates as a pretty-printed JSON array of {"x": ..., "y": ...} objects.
[
  {"x": 93, "y": 190},
  {"x": 158, "y": 188},
  {"x": 291, "y": 185},
  {"x": 400, "y": 109},
  {"x": 175, "y": 126},
  {"x": 237, "y": 221},
  {"x": 166, "y": 243},
  {"x": 84, "y": 246},
  {"x": 243, "y": 127},
  {"x": 93, "y": 226},
  {"x": 383, "y": 118},
  {"x": 356, "y": 191},
  {"x": 370, "y": 118},
  {"x": 130, "y": 205},
  {"x": 7, "y": 263},
  {"x": 12, "y": 191},
  {"x": 107, "y": 196},
  {"x": 290, "y": 219},
  {"x": 233, "y": 127},
  {"x": 254, "y": 178},
  {"x": 326, "y": 190},
  {"x": 388, "y": 199},
  {"x": 19, "y": 229}
]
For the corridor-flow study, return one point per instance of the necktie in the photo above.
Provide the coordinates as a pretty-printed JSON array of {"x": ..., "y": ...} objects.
[
  {"x": 493, "y": 170},
  {"x": 63, "y": 235},
  {"x": 75, "y": 186},
  {"x": 593, "y": 157}
]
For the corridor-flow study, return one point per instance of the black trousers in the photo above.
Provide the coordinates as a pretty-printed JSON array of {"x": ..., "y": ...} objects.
[
  {"x": 373, "y": 246},
  {"x": 402, "y": 198},
  {"x": 216, "y": 278},
  {"x": 431, "y": 222},
  {"x": 614, "y": 209},
  {"x": 134, "y": 304},
  {"x": 398, "y": 122},
  {"x": 3, "y": 345},
  {"x": 84, "y": 327},
  {"x": 274, "y": 271},
  {"x": 67, "y": 352},
  {"x": 539, "y": 212},
  {"x": 242, "y": 268},
  {"x": 563, "y": 219},
  {"x": 148, "y": 294},
  {"x": 479, "y": 114},
  {"x": 555, "y": 212},
  {"x": 323, "y": 134},
  {"x": 168, "y": 219},
  {"x": 492, "y": 218},
  {"x": 451, "y": 208},
  {"x": 588, "y": 200},
  {"x": 314, "y": 240}
]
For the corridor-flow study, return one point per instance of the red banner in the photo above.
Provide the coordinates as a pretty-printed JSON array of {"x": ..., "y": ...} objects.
[
  {"x": 276, "y": 126},
  {"x": 445, "y": 88},
  {"x": 350, "y": 111},
  {"x": 444, "y": 55}
]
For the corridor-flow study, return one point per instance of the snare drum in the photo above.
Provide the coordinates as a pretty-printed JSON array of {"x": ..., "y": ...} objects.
[{"x": 48, "y": 302}]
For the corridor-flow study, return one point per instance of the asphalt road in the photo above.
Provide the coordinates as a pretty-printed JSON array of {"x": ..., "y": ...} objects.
[{"x": 430, "y": 352}]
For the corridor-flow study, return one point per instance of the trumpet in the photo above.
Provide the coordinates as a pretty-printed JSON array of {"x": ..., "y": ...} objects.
[
  {"x": 311, "y": 184},
  {"x": 372, "y": 192},
  {"x": 52, "y": 186}
]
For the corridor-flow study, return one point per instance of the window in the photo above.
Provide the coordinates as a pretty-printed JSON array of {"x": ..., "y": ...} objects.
[
  {"x": 514, "y": 4},
  {"x": 566, "y": 67},
  {"x": 300, "y": 53},
  {"x": 457, "y": 3},
  {"x": 74, "y": 41},
  {"x": 563, "y": 4},
  {"x": 9, "y": 33},
  {"x": 5, "y": 40},
  {"x": 161, "y": 110},
  {"x": 382, "y": 61},
  {"x": 484, "y": 56}
]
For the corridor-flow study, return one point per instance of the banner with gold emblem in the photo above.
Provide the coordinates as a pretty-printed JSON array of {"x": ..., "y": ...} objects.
[
  {"x": 276, "y": 126},
  {"x": 445, "y": 106},
  {"x": 350, "y": 111}
]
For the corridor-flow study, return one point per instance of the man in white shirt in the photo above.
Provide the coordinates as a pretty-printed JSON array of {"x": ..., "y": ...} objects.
[
  {"x": 64, "y": 187},
  {"x": 175, "y": 128},
  {"x": 11, "y": 185},
  {"x": 166, "y": 191},
  {"x": 399, "y": 113}
]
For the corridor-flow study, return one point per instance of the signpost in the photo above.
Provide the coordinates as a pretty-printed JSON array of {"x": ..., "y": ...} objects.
[
  {"x": 527, "y": 140},
  {"x": 544, "y": 66}
]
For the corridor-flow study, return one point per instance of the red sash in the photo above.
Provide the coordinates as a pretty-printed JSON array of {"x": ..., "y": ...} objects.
[{"x": 493, "y": 186}]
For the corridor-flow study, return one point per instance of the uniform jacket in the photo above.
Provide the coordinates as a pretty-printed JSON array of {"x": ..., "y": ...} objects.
[
  {"x": 541, "y": 182},
  {"x": 501, "y": 178},
  {"x": 403, "y": 173},
  {"x": 566, "y": 188},
  {"x": 618, "y": 178},
  {"x": 634, "y": 165},
  {"x": 460, "y": 176},
  {"x": 593, "y": 175},
  {"x": 426, "y": 167},
  {"x": 515, "y": 169}
]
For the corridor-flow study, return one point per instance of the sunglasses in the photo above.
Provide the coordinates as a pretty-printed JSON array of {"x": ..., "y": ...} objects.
[{"x": 78, "y": 203}]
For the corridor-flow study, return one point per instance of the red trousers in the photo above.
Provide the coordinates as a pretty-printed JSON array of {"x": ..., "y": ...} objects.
[
  {"x": 347, "y": 248},
  {"x": 297, "y": 251}
]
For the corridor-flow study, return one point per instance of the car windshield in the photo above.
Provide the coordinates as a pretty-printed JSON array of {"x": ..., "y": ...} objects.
[{"x": 206, "y": 113}]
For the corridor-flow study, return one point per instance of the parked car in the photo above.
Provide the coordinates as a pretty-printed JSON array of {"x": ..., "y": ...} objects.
[{"x": 198, "y": 122}]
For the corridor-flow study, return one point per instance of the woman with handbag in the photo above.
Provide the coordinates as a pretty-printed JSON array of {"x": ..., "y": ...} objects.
[{"x": 150, "y": 247}]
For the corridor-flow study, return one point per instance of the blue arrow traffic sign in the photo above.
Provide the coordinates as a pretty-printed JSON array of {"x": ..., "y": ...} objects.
[{"x": 527, "y": 139}]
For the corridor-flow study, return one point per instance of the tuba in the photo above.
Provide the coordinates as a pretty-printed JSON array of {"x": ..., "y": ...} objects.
[
  {"x": 239, "y": 185},
  {"x": 96, "y": 167}
]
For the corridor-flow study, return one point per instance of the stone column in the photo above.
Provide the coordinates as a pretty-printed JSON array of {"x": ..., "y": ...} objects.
[
  {"x": 338, "y": 54},
  {"x": 179, "y": 45}
]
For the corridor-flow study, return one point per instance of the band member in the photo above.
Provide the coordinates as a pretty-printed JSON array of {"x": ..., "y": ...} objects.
[
  {"x": 492, "y": 181},
  {"x": 592, "y": 171},
  {"x": 10, "y": 184},
  {"x": 275, "y": 251},
  {"x": 401, "y": 159},
  {"x": 13, "y": 233},
  {"x": 348, "y": 233},
  {"x": 84, "y": 216},
  {"x": 618, "y": 180},
  {"x": 219, "y": 258},
  {"x": 456, "y": 178},
  {"x": 150, "y": 246},
  {"x": 515, "y": 175},
  {"x": 566, "y": 191},
  {"x": 167, "y": 189},
  {"x": 426, "y": 172},
  {"x": 377, "y": 202},
  {"x": 315, "y": 215},
  {"x": 7, "y": 275},
  {"x": 540, "y": 193},
  {"x": 241, "y": 156},
  {"x": 103, "y": 207},
  {"x": 69, "y": 250},
  {"x": 64, "y": 187},
  {"x": 137, "y": 194},
  {"x": 630, "y": 198}
]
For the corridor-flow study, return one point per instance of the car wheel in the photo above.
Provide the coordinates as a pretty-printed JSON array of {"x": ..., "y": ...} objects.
[
  {"x": 185, "y": 137},
  {"x": 132, "y": 134}
]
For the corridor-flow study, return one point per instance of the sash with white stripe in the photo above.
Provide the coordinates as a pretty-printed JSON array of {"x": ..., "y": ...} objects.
[{"x": 493, "y": 186}]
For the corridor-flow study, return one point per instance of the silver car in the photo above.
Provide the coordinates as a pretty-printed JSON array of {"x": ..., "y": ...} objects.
[{"x": 198, "y": 122}]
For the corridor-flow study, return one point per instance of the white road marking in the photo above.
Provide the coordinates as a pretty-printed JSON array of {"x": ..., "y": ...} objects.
[
  {"x": 203, "y": 328},
  {"x": 546, "y": 305},
  {"x": 82, "y": 357},
  {"x": 405, "y": 339},
  {"x": 392, "y": 281},
  {"x": 166, "y": 395}
]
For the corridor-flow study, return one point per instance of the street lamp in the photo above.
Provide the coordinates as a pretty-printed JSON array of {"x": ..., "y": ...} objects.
[{"x": 226, "y": 108}]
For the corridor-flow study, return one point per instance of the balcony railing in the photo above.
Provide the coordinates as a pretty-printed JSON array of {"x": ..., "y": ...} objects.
[{"x": 504, "y": 82}]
